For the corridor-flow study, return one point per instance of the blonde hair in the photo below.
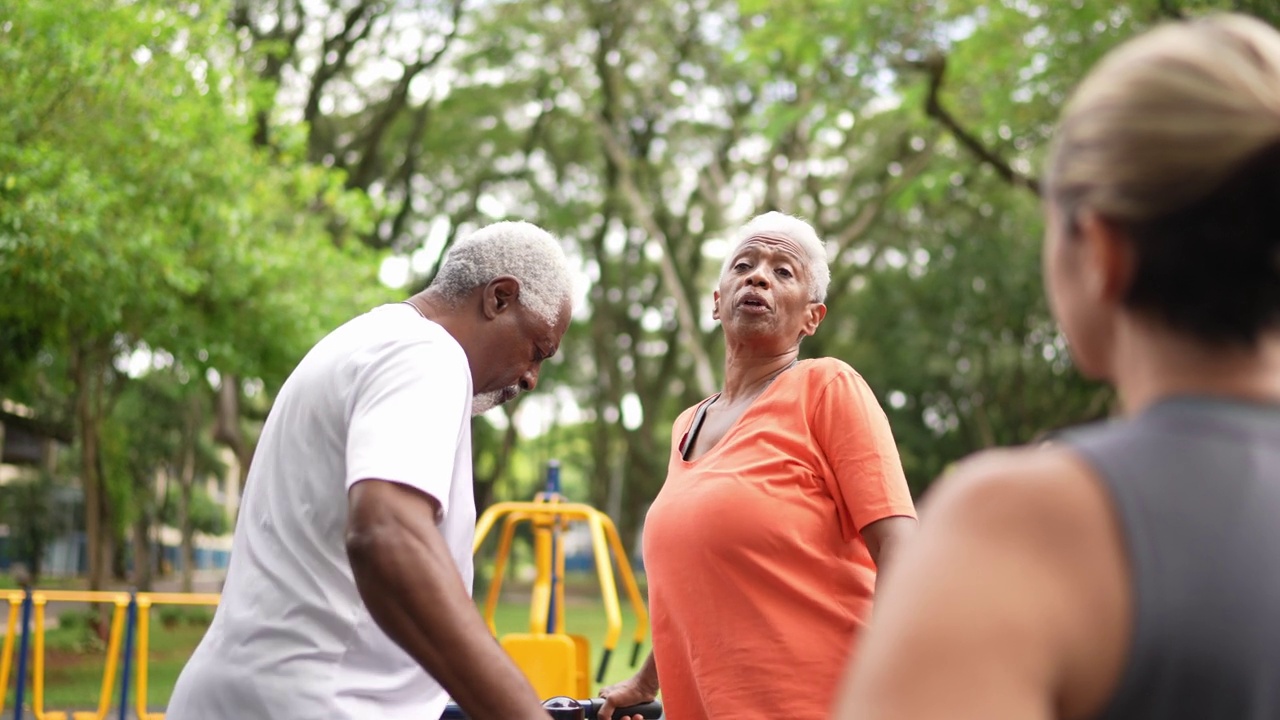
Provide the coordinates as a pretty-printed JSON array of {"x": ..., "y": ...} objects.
[{"x": 1171, "y": 135}]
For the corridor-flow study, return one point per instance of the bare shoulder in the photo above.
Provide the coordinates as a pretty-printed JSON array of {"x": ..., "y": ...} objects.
[
  {"x": 1043, "y": 515},
  {"x": 1009, "y": 601},
  {"x": 1044, "y": 502},
  {"x": 1044, "y": 490}
]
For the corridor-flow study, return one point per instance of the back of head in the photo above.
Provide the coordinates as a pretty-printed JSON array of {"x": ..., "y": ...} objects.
[
  {"x": 519, "y": 249},
  {"x": 774, "y": 223},
  {"x": 1175, "y": 137}
]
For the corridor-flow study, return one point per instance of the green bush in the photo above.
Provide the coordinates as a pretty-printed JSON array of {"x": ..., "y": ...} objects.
[
  {"x": 77, "y": 620},
  {"x": 76, "y": 632},
  {"x": 199, "y": 616},
  {"x": 171, "y": 616}
]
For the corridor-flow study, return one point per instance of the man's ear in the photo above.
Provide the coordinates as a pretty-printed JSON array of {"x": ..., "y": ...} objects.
[
  {"x": 813, "y": 318},
  {"x": 499, "y": 295},
  {"x": 715, "y": 304},
  {"x": 1108, "y": 258}
]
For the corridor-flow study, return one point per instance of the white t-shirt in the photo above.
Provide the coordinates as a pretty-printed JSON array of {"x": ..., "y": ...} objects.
[{"x": 385, "y": 396}]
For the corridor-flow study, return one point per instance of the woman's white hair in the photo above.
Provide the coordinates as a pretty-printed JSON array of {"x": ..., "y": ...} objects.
[
  {"x": 519, "y": 249},
  {"x": 797, "y": 230}
]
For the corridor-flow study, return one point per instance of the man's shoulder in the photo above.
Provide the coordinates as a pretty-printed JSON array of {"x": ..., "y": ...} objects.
[{"x": 390, "y": 330}]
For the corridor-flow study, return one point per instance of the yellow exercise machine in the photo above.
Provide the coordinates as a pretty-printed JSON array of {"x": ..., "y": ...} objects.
[
  {"x": 554, "y": 660},
  {"x": 127, "y": 645}
]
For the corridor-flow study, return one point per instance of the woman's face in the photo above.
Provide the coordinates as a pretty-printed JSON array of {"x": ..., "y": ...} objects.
[
  {"x": 1072, "y": 275},
  {"x": 765, "y": 291}
]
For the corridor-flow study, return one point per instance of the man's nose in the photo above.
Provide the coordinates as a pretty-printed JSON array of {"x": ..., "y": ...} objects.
[{"x": 758, "y": 277}]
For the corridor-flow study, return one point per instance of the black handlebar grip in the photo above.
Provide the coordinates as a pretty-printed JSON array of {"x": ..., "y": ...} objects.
[
  {"x": 591, "y": 708},
  {"x": 651, "y": 710},
  {"x": 564, "y": 708}
]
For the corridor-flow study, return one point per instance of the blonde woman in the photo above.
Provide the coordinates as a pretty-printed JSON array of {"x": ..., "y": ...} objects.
[{"x": 1130, "y": 569}]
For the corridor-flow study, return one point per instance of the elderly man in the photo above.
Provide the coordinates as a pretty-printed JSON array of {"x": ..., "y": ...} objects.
[
  {"x": 784, "y": 496},
  {"x": 348, "y": 594}
]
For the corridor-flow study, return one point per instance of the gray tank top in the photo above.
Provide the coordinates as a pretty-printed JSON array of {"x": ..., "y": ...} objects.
[{"x": 1196, "y": 487}]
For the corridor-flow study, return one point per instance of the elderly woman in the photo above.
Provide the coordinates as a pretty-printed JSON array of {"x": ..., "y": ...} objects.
[
  {"x": 1129, "y": 569},
  {"x": 783, "y": 496}
]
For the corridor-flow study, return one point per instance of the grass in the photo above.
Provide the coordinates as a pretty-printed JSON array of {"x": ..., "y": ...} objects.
[
  {"x": 46, "y": 583},
  {"x": 75, "y": 658}
]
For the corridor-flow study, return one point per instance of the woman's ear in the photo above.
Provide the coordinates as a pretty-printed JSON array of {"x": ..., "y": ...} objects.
[
  {"x": 814, "y": 315},
  {"x": 1108, "y": 257}
]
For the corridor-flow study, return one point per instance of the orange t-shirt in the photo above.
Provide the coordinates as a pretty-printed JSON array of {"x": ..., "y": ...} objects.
[{"x": 758, "y": 577}]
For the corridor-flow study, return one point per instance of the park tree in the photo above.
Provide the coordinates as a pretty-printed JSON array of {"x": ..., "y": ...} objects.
[
  {"x": 159, "y": 451},
  {"x": 644, "y": 133},
  {"x": 29, "y": 507},
  {"x": 910, "y": 134},
  {"x": 136, "y": 213},
  {"x": 663, "y": 126}
]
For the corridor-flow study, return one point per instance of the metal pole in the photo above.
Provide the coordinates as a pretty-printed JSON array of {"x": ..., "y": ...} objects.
[
  {"x": 129, "y": 628},
  {"x": 553, "y": 488},
  {"x": 22, "y": 654}
]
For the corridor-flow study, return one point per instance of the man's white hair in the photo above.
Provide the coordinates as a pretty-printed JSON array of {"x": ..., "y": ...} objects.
[
  {"x": 519, "y": 249},
  {"x": 799, "y": 232}
]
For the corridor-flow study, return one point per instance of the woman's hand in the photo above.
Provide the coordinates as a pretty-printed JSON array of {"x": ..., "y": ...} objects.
[{"x": 625, "y": 694}]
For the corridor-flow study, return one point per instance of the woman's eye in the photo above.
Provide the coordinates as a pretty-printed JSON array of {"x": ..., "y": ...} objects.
[
  {"x": 784, "y": 272},
  {"x": 741, "y": 266}
]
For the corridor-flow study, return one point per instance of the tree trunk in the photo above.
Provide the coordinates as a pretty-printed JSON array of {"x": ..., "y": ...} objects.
[
  {"x": 484, "y": 484},
  {"x": 142, "y": 559},
  {"x": 120, "y": 556},
  {"x": 226, "y": 428},
  {"x": 185, "y": 485},
  {"x": 35, "y": 562},
  {"x": 87, "y": 421}
]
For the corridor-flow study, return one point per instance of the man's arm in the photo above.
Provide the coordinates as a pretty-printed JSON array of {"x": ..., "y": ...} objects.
[
  {"x": 408, "y": 580},
  {"x": 1007, "y": 604}
]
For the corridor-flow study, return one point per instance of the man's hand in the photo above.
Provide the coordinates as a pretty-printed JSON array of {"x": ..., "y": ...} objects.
[{"x": 408, "y": 581}]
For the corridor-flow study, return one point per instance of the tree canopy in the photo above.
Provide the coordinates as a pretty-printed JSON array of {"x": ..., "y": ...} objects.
[{"x": 218, "y": 184}]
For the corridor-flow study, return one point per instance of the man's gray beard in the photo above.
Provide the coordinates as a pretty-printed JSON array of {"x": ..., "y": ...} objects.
[{"x": 484, "y": 402}]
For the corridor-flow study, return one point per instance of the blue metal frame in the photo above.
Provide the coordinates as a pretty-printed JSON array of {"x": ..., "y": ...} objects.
[
  {"x": 130, "y": 625},
  {"x": 553, "y": 488},
  {"x": 22, "y": 655}
]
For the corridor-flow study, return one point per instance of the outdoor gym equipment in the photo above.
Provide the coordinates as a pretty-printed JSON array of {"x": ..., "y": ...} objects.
[
  {"x": 126, "y": 655},
  {"x": 566, "y": 708},
  {"x": 554, "y": 660}
]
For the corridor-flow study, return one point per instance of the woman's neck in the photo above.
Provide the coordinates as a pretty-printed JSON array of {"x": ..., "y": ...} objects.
[
  {"x": 746, "y": 377},
  {"x": 1151, "y": 364}
]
